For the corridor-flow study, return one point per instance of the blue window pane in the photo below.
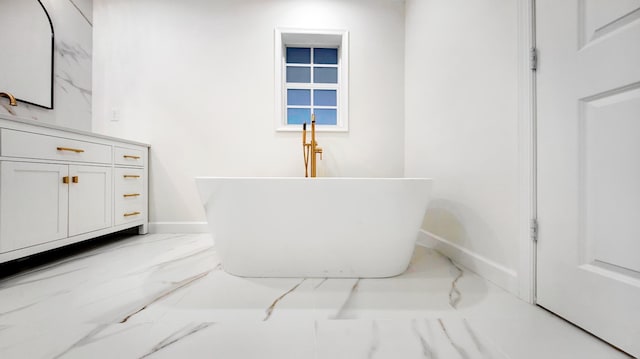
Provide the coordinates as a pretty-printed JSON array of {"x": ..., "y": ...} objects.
[
  {"x": 325, "y": 56},
  {"x": 298, "y": 74},
  {"x": 298, "y": 55},
  {"x": 325, "y": 75},
  {"x": 299, "y": 97},
  {"x": 298, "y": 116},
  {"x": 324, "y": 97},
  {"x": 326, "y": 117}
]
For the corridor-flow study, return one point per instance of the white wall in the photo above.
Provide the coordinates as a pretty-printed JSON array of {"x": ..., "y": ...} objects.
[
  {"x": 433, "y": 93},
  {"x": 195, "y": 79},
  {"x": 461, "y": 127},
  {"x": 72, "y": 68}
]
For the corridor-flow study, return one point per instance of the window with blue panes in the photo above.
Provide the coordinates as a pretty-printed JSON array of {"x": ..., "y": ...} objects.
[{"x": 312, "y": 83}]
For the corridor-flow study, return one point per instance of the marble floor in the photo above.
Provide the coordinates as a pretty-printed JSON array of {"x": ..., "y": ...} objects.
[{"x": 166, "y": 296}]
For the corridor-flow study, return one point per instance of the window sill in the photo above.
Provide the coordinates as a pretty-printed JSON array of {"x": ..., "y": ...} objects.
[{"x": 322, "y": 128}]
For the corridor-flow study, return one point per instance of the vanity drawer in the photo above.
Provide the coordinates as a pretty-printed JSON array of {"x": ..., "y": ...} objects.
[
  {"x": 37, "y": 146},
  {"x": 129, "y": 156},
  {"x": 129, "y": 180},
  {"x": 129, "y": 211},
  {"x": 130, "y": 195}
]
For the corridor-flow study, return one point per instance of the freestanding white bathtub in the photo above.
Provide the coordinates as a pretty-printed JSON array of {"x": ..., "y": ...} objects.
[{"x": 314, "y": 227}]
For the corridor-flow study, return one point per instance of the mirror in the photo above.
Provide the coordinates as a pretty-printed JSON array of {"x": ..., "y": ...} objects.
[{"x": 26, "y": 60}]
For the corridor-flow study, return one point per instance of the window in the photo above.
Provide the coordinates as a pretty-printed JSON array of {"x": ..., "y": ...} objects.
[{"x": 311, "y": 78}]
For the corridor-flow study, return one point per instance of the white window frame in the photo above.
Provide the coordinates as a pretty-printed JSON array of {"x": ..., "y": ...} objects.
[{"x": 311, "y": 38}]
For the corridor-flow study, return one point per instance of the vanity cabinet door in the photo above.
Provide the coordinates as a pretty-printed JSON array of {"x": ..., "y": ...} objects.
[
  {"x": 90, "y": 199},
  {"x": 33, "y": 205}
]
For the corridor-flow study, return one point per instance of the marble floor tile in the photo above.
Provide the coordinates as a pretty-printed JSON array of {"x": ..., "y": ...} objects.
[{"x": 167, "y": 296}]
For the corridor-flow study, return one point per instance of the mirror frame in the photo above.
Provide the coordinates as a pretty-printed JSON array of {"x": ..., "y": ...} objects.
[
  {"x": 44, "y": 100},
  {"x": 53, "y": 36}
]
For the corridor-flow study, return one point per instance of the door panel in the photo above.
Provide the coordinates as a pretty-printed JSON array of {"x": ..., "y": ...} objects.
[
  {"x": 90, "y": 199},
  {"x": 599, "y": 18},
  {"x": 589, "y": 165},
  {"x": 32, "y": 193},
  {"x": 611, "y": 178}
]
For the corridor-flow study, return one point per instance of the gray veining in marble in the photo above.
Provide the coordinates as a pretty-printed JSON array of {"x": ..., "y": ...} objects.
[
  {"x": 458, "y": 348},
  {"x": 177, "y": 336},
  {"x": 172, "y": 289},
  {"x": 167, "y": 296},
  {"x": 340, "y": 313},
  {"x": 454, "y": 294},
  {"x": 476, "y": 341},
  {"x": 270, "y": 309},
  {"x": 375, "y": 340},
  {"x": 72, "y": 53},
  {"x": 427, "y": 351},
  {"x": 89, "y": 338},
  {"x": 320, "y": 283},
  {"x": 85, "y": 11}
]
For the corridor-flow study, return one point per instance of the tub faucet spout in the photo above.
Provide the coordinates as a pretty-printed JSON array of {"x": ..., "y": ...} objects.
[{"x": 12, "y": 100}]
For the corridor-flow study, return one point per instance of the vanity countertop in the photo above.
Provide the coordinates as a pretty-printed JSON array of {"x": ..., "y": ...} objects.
[{"x": 67, "y": 129}]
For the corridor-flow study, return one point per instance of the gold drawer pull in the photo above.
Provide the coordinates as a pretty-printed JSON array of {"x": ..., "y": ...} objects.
[
  {"x": 132, "y": 157},
  {"x": 131, "y": 214},
  {"x": 74, "y": 179},
  {"x": 76, "y": 150},
  {"x": 131, "y": 176},
  {"x": 130, "y": 195}
]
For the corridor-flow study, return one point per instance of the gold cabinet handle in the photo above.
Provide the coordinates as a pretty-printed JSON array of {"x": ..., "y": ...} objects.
[
  {"x": 130, "y": 195},
  {"x": 65, "y": 179},
  {"x": 74, "y": 179},
  {"x": 131, "y": 176},
  {"x": 132, "y": 157},
  {"x": 76, "y": 150},
  {"x": 131, "y": 214}
]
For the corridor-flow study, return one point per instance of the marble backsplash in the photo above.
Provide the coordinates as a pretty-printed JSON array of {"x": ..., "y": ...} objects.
[{"x": 72, "y": 23}]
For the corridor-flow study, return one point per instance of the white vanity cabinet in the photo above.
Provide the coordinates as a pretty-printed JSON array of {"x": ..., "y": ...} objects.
[{"x": 62, "y": 186}]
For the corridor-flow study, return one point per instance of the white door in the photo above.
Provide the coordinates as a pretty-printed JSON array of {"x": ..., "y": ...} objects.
[
  {"x": 90, "y": 199},
  {"x": 589, "y": 165},
  {"x": 33, "y": 205}
]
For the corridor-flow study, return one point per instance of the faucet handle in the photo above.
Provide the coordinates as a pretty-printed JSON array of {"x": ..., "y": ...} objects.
[
  {"x": 12, "y": 100},
  {"x": 319, "y": 150}
]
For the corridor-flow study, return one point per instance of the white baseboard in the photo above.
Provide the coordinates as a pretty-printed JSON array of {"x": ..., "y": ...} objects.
[
  {"x": 500, "y": 275},
  {"x": 178, "y": 227}
]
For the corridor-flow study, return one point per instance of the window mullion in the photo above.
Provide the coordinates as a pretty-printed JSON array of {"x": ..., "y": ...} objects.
[
  {"x": 297, "y": 85},
  {"x": 311, "y": 85}
]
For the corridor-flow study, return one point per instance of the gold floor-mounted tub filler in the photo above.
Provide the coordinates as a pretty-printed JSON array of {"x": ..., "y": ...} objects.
[{"x": 310, "y": 149}]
